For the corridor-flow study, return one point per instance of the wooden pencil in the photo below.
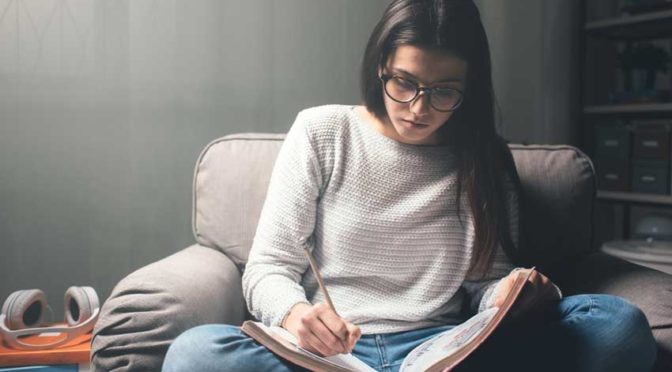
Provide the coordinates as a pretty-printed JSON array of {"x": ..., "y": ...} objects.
[{"x": 320, "y": 282}]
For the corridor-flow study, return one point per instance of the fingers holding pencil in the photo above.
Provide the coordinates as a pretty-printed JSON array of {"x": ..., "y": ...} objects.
[
  {"x": 347, "y": 333},
  {"x": 319, "y": 329}
]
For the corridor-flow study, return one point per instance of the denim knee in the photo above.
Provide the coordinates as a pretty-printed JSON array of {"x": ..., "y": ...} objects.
[
  {"x": 195, "y": 348},
  {"x": 614, "y": 335},
  {"x": 221, "y": 347},
  {"x": 635, "y": 332}
]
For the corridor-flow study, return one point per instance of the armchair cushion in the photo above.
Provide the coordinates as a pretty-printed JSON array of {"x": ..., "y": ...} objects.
[
  {"x": 153, "y": 305},
  {"x": 558, "y": 190},
  {"x": 230, "y": 182}
]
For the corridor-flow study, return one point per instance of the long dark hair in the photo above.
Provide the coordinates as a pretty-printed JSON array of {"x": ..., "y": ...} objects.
[{"x": 483, "y": 157}]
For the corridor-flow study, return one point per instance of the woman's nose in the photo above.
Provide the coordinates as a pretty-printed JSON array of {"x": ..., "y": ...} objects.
[{"x": 420, "y": 105}]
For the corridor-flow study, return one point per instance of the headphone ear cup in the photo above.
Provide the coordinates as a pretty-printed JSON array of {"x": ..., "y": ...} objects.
[
  {"x": 25, "y": 309},
  {"x": 80, "y": 303}
]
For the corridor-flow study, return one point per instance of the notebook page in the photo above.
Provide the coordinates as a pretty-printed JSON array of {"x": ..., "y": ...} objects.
[
  {"x": 444, "y": 344},
  {"x": 344, "y": 360}
]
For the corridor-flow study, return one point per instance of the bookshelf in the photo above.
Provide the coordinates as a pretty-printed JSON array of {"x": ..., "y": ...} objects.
[{"x": 621, "y": 95}]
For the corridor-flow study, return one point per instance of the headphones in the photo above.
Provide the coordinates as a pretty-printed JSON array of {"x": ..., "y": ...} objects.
[{"x": 23, "y": 314}]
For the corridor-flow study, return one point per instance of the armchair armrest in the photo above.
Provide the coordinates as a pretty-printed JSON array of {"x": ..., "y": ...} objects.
[
  {"x": 149, "y": 308},
  {"x": 649, "y": 289}
]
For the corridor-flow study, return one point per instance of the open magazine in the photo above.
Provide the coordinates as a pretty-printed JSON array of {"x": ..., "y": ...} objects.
[{"x": 442, "y": 352}]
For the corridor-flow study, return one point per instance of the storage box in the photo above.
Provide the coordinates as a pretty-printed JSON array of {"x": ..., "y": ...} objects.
[
  {"x": 613, "y": 175},
  {"x": 613, "y": 141},
  {"x": 651, "y": 142},
  {"x": 650, "y": 177}
]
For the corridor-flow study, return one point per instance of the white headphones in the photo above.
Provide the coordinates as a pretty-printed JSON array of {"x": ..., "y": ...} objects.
[{"x": 23, "y": 314}]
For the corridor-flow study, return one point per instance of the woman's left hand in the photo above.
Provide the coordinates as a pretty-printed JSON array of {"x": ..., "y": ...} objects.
[{"x": 538, "y": 291}]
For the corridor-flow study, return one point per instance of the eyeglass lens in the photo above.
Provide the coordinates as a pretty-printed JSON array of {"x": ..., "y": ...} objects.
[{"x": 402, "y": 90}]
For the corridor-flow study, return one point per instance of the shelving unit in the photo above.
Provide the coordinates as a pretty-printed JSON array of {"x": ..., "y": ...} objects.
[
  {"x": 633, "y": 27},
  {"x": 633, "y": 197},
  {"x": 601, "y": 37},
  {"x": 634, "y": 108}
]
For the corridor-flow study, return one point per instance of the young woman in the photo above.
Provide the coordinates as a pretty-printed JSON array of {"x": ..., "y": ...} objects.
[{"x": 410, "y": 207}]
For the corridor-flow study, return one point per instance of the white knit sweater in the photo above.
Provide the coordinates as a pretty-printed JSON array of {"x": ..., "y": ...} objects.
[{"x": 381, "y": 220}]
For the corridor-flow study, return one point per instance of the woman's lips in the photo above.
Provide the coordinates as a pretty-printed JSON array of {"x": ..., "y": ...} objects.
[{"x": 415, "y": 124}]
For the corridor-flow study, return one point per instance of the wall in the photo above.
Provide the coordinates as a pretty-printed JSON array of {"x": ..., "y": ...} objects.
[
  {"x": 535, "y": 62},
  {"x": 105, "y": 106}
]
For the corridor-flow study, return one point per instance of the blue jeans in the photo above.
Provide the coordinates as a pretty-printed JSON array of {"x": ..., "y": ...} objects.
[{"x": 579, "y": 333}]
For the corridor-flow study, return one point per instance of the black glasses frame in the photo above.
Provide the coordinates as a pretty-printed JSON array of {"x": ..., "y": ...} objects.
[{"x": 418, "y": 89}]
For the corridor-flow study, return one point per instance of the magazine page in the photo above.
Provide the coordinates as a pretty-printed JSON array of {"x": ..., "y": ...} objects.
[
  {"x": 348, "y": 361},
  {"x": 445, "y": 344}
]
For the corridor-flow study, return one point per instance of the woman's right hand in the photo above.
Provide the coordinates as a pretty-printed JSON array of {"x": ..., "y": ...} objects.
[{"x": 319, "y": 329}]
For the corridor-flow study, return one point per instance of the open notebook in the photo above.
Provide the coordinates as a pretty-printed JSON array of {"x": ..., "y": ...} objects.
[{"x": 440, "y": 353}]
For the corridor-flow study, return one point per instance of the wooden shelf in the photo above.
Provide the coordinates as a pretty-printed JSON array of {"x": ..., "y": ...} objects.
[
  {"x": 635, "y": 197},
  {"x": 634, "y": 108},
  {"x": 651, "y": 25}
]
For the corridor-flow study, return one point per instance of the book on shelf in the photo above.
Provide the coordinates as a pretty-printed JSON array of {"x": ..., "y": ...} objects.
[{"x": 442, "y": 352}]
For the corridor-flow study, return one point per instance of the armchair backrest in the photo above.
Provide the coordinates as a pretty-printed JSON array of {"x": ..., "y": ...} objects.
[
  {"x": 233, "y": 172},
  {"x": 558, "y": 195}
]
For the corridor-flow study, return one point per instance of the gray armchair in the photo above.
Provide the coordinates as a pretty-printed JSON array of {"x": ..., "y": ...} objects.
[{"x": 202, "y": 283}]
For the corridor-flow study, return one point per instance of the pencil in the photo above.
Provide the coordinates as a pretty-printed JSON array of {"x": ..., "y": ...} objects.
[
  {"x": 320, "y": 282},
  {"x": 313, "y": 266}
]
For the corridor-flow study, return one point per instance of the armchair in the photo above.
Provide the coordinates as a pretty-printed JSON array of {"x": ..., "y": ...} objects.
[{"x": 202, "y": 283}]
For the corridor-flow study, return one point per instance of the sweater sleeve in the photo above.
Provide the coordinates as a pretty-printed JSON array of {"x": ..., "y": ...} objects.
[
  {"x": 277, "y": 262},
  {"x": 483, "y": 292}
]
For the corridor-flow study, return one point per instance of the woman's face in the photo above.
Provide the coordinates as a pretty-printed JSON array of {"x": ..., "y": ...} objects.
[{"x": 416, "y": 122}]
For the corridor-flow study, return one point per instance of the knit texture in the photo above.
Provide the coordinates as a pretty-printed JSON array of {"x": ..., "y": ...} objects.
[{"x": 380, "y": 217}]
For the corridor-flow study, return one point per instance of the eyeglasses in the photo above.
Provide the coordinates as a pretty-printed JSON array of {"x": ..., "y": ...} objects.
[{"x": 403, "y": 90}]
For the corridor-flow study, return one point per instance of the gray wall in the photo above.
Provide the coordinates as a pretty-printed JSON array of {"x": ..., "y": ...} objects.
[
  {"x": 105, "y": 106},
  {"x": 535, "y": 63}
]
